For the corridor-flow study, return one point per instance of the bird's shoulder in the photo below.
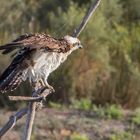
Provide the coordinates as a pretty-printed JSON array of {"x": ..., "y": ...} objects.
[
  {"x": 37, "y": 41},
  {"x": 43, "y": 41}
]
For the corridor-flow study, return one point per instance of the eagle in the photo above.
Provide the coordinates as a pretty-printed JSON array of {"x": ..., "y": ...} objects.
[{"x": 37, "y": 55}]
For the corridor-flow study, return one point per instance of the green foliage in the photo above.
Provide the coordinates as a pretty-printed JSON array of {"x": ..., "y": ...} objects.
[
  {"x": 121, "y": 136},
  {"x": 100, "y": 111},
  {"x": 136, "y": 117},
  {"x": 109, "y": 111},
  {"x": 131, "y": 11},
  {"x": 76, "y": 136},
  {"x": 55, "y": 105},
  {"x": 84, "y": 104},
  {"x": 114, "y": 112}
]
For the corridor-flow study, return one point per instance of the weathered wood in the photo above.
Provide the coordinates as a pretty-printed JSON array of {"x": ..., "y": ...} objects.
[
  {"x": 86, "y": 18},
  {"x": 24, "y": 98},
  {"x": 30, "y": 120},
  {"x": 12, "y": 121},
  {"x": 43, "y": 92}
]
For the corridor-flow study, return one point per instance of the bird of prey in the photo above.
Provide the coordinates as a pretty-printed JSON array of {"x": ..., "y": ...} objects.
[{"x": 36, "y": 57}]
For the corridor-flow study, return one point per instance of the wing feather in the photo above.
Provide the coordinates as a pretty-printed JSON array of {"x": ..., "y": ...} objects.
[
  {"x": 36, "y": 41},
  {"x": 12, "y": 76}
]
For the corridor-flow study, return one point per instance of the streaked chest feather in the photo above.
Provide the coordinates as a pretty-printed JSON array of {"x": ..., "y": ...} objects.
[
  {"x": 45, "y": 63},
  {"x": 48, "y": 62}
]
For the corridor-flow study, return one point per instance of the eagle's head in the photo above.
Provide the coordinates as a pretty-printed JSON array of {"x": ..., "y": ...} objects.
[{"x": 74, "y": 42}]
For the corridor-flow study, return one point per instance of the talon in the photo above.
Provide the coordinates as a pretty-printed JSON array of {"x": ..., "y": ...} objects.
[
  {"x": 52, "y": 90},
  {"x": 45, "y": 84},
  {"x": 42, "y": 83}
]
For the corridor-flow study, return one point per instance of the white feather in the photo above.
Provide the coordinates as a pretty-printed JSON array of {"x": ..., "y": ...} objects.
[
  {"x": 71, "y": 40},
  {"x": 45, "y": 63}
]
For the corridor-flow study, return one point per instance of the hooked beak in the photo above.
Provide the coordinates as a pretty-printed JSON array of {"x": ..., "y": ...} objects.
[{"x": 80, "y": 46}]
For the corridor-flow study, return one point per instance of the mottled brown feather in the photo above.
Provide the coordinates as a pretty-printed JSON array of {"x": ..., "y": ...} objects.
[{"x": 37, "y": 41}]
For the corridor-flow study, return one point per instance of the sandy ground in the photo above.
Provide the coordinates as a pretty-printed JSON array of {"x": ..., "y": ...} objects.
[{"x": 58, "y": 124}]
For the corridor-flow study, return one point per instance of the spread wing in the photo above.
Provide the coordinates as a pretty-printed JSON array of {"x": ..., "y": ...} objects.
[{"x": 36, "y": 41}]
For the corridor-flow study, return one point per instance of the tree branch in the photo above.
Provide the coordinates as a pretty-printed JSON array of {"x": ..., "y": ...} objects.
[
  {"x": 38, "y": 95},
  {"x": 30, "y": 120},
  {"x": 32, "y": 110},
  {"x": 23, "y": 98},
  {"x": 12, "y": 121},
  {"x": 86, "y": 18},
  {"x": 30, "y": 99}
]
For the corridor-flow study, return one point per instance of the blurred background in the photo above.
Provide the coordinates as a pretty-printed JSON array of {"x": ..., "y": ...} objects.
[
  {"x": 98, "y": 88},
  {"x": 106, "y": 71}
]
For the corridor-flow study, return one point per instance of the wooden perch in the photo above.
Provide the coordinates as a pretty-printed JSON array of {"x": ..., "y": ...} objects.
[
  {"x": 85, "y": 20},
  {"x": 23, "y": 98},
  {"x": 43, "y": 92},
  {"x": 30, "y": 111},
  {"x": 30, "y": 99},
  {"x": 12, "y": 121},
  {"x": 29, "y": 120}
]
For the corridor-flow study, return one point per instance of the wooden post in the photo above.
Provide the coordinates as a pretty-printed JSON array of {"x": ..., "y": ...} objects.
[
  {"x": 30, "y": 120},
  {"x": 32, "y": 110},
  {"x": 12, "y": 121},
  {"x": 86, "y": 18}
]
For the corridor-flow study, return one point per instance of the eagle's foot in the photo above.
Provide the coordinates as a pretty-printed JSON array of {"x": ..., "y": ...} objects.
[
  {"x": 52, "y": 90},
  {"x": 44, "y": 83}
]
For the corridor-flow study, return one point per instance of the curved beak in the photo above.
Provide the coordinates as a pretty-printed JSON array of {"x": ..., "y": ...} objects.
[{"x": 80, "y": 46}]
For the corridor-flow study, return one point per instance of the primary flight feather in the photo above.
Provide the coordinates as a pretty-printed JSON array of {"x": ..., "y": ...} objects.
[{"x": 38, "y": 55}]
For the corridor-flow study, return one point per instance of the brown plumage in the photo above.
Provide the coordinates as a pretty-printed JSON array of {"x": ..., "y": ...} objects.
[
  {"x": 37, "y": 56},
  {"x": 40, "y": 41}
]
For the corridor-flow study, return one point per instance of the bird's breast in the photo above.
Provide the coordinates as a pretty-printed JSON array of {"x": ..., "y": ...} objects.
[{"x": 46, "y": 63}]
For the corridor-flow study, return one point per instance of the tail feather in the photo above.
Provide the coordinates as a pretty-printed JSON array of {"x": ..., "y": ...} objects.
[
  {"x": 10, "y": 47},
  {"x": 13, "y": 44},
  {"x": 6, "y": 51},
  {"x": 11, "y": 81},
  {"x": 15, "y": 82},
  {"x": 12, "y": 76}
]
